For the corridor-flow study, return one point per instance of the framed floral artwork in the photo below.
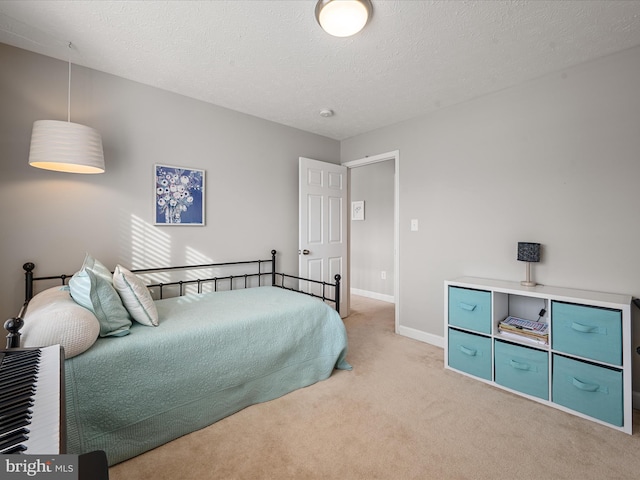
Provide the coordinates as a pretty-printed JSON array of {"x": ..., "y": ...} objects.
[{"x": 179, "y": 195}]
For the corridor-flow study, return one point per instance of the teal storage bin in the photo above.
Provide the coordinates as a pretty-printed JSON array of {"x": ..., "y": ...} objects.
[
  {"x": 470, "y": 353},
  {"x": 589, "y": 332},
  {"x": 591, "y": 389},
  {"x": 523, "y": 369},
  {"x": 470, "y": 309}
]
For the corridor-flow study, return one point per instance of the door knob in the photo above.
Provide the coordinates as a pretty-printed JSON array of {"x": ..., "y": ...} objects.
[{"x": 303, "y": 252}]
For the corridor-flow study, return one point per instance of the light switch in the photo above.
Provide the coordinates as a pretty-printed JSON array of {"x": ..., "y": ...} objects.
[{"x": 414, "y": 225}]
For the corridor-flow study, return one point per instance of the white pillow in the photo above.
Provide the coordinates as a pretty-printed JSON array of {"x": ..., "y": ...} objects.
[
  {"x": 135, "y": 297},
  {"x": 53, "y": 318}
]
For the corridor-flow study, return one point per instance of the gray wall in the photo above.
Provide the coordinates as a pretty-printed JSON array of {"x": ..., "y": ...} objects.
[
  {"x": 555, "y": 161},
  {"x": 371, "y": 240},
  {"x": 53, "y": 218}
]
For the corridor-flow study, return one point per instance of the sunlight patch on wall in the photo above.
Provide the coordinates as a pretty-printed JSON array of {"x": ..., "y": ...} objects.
[
  {"x": 195, "y": 257},
  {"x": 152, "y": 248},
  {"x": 149, "y": 248}
]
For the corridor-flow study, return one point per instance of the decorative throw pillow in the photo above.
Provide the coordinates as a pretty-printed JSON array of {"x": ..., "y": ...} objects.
[
  {"x": 135, "y": 296},
  {"x": 92, "y": 287},
  {"x": 53, "y": 318}
]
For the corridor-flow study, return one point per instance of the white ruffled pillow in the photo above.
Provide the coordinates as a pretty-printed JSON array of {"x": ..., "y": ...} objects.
[
  {"x": 54, "y": 318},
  {"x": 135, "y": 296}
]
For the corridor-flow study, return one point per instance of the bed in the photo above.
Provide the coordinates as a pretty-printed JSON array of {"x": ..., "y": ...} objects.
[{"x": 210, "y": 354}]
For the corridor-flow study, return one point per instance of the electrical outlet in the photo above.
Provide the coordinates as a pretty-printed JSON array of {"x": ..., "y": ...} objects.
[
  {"x": 383, "y": 275},
  {"x": 414, "y": 225}
]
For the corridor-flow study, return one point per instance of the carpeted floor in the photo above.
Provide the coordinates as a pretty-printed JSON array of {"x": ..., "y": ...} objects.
[{"x": 397, "y": 415}]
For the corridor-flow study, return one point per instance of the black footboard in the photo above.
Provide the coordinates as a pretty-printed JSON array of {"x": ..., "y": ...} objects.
[{"x": 323, "y": 294}]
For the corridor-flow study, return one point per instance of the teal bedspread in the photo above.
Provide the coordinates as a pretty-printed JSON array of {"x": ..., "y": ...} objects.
[{"x": 211, "y": 355}]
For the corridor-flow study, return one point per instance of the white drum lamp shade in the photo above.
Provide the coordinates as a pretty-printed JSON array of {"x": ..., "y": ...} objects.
[
  {"x": 66, "y": 147},
  {"x": 343, "y": 18}
]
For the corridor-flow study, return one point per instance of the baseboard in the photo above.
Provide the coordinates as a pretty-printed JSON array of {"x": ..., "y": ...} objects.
[
  {"x": 421, "y": 336},
  {"x": 374, "y": 295}
]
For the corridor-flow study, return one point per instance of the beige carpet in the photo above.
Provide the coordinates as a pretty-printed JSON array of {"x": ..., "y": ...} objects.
[{"x": 397, "y": 415}]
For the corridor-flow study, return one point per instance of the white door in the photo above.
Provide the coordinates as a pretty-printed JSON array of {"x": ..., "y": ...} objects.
[{"x": 322, "y": 244}]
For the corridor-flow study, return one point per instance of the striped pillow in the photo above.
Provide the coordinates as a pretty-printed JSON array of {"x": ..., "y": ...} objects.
[{"x": 135, "y": 297}]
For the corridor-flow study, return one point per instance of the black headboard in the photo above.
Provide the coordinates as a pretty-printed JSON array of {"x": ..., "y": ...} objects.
[{"x": 13, "y": 325}]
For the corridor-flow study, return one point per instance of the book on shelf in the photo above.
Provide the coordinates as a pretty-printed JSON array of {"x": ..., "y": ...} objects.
[
  {"x": 528, "y": 325},
  {"x": 523, "y": 331},
  {"x": 542, "y": 340},
  {"x": 521, "y": 328}
]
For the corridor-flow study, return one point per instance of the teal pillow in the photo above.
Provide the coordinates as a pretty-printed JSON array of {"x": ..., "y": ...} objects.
[{"x": 92, "y": 288}]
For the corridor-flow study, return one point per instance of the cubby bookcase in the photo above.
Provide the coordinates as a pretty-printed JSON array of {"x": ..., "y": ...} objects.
[{"x": 584, "y": 369}]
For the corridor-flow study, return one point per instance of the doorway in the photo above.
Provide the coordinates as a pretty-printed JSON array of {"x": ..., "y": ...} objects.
[{"x": 373, "y": 240}]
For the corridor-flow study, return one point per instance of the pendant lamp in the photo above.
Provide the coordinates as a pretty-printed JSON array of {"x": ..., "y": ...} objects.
[
  {"x": 66, "y": 146},
  {"x": 343, "y": 18}
]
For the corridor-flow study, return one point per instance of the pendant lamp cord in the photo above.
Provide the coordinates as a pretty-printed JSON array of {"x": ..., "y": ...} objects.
[{"x": 69, "y": 89}]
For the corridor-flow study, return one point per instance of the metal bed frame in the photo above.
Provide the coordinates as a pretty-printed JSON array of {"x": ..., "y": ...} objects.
[{"x": 13, "y": 325}]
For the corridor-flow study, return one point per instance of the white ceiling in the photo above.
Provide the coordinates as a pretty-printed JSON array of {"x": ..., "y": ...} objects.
[{"x": 269, "y": 58}]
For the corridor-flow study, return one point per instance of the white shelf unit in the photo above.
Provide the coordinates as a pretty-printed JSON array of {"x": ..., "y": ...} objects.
[{"x": 584, "y": 370}]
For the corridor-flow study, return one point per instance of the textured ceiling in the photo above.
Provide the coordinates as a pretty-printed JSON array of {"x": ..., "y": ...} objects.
[{"x": 270, "y": 59}]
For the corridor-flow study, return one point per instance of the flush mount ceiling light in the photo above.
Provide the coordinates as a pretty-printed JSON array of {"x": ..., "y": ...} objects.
[
  {"x": 66, "y": 146},
  {"x": 343, "y": 18}
]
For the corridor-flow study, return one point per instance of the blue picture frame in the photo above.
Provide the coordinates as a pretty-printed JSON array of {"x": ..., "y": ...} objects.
[{"x": 179, "y": 195}]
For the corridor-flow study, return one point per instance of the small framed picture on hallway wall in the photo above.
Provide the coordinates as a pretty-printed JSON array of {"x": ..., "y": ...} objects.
[{"x": 357, "y": 210}]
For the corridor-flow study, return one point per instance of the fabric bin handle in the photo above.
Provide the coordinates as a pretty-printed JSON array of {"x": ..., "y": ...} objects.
[
  {"x": 468, "y": 351},
  {"x": 521, "y": 366},
  {"x": 467, "y": 306},
  {"x": 578, "y": 327},
  {"x": 588, "y": 387}
]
